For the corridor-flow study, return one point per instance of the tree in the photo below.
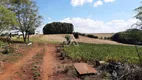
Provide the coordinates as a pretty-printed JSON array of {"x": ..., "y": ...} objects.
[
  {"x": 58, "y": 28},
  {"x": 7, "y": 17},
  {"x": 130, "y": 36},
  {"x": 139, "y": 17},
  {"x": 27, "y": 16}
]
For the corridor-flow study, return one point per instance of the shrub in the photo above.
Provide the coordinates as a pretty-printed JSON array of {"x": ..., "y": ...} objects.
[
  {"x": 101, "y": 37},
  {"x": 107, "y": 38},
  {"x": 76, "y": 35},
  {"x": 58, "y": 28},
  {"x": 82, "y": 34},
  {"x": 92, "y": 36},
  {"x": 6, "y": 50},
  {"x": 131, "y": 36}
]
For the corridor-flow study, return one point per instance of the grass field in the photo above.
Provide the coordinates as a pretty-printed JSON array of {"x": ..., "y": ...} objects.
[{"x": 91, "y": 52}]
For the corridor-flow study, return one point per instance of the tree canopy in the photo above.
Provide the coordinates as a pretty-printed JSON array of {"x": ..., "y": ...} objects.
[
  {"x": 139, "y": 16},
  {"x": 21, "y": 15},
  {"x": 58, "y": 28},
  {"x": 131, "y": 36},
  {"x": 7, "y": 18},
  {"x": 27, "y": 16}
]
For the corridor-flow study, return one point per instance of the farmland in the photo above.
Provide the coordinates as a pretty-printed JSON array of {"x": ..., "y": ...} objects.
[
  {"x": 92, "y": 52},
  {"x": 70, "y": 40},
  {"x": 59, "y": 38},
  {"x": 89, "y": 50},
  {"x": 103, "y": 34}
]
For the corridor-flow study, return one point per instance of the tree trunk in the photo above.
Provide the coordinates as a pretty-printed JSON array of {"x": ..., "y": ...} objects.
[
  {"x": 28, "y": 37},
  {"x": 24, "y": 37}
]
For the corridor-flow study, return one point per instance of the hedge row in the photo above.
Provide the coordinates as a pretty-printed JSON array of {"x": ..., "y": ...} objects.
[{"x": 88, "y": 35}]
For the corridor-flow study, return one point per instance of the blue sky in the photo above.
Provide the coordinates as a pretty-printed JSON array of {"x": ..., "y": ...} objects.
[{"x": 90, "y": 16}]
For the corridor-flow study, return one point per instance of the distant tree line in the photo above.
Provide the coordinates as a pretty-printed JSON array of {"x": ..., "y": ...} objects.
[
  {"x": 58, "y": 28},
  {"x": 131, "y": 36}
]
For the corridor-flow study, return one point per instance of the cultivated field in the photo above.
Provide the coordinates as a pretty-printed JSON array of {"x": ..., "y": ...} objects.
[
  {"x": 103, "y": 34},
  {"x": 103, "y": 52},
  {"x": 61, "y": 37}
]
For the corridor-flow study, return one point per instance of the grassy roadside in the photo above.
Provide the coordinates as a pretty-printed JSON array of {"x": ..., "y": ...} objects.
[
  {"x": 91, "y": 52},
  {"x": 9, "y": 53},
  {"x": 35, "y": 39}
]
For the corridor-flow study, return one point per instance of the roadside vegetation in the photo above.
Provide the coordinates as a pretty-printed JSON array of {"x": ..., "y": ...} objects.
[{"x": 8, "y": 53}]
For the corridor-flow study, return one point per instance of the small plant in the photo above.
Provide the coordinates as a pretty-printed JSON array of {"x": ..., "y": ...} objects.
[
  {"x": 1, "y": 43},
  {"x": 6, "y": 50}
]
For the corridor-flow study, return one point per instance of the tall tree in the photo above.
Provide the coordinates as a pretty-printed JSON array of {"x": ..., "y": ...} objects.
[
  {"x": 7, "y": 17},
  {"x": 27, "y": 16},
  {"x": 139, "y": 17}
]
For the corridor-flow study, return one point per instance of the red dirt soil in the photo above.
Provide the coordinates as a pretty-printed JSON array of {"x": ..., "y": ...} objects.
[
  {"x": 17, "y": 65},
  {"x": 49, "y": 62}
]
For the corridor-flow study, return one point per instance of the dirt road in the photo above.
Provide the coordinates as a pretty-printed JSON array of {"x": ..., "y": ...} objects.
[
  {"x": 49, "y": 62},
  {"x": 17, "y": 65}
]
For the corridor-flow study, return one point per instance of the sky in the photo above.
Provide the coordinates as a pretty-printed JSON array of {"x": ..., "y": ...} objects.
[{"x": 90, "y": 16}]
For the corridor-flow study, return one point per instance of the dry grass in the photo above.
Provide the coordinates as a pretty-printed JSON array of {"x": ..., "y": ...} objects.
[
  {"x": 60, "y": 38},
  {"x": 103, "y": 35}
]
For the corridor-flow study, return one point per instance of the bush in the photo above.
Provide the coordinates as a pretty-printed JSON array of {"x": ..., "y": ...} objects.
[
  {"x": 101, "y": 37},
  {"x": 92, "y": 36},
  {"x": 58, "y": 28},
  {"x": 107, "y": 38},
  {"x": 82, "y": 34},
  {"x": 131, "y": 36},
  {"x": 76, "y": 35}
]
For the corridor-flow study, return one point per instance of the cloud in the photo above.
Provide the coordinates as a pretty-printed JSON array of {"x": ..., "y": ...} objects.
[
  {"x": 80, "y": 2},
  {"x": 109, "y": 1},
  {"x": 49, "y": 18},
  {"x": 98, "y": 3},
  {"x": 40, "y": 29},
  {"x": 93, "y": 26}
]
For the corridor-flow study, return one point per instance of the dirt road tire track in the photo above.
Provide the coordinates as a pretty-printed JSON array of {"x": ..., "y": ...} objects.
[{"x": 49, "y": 62}]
